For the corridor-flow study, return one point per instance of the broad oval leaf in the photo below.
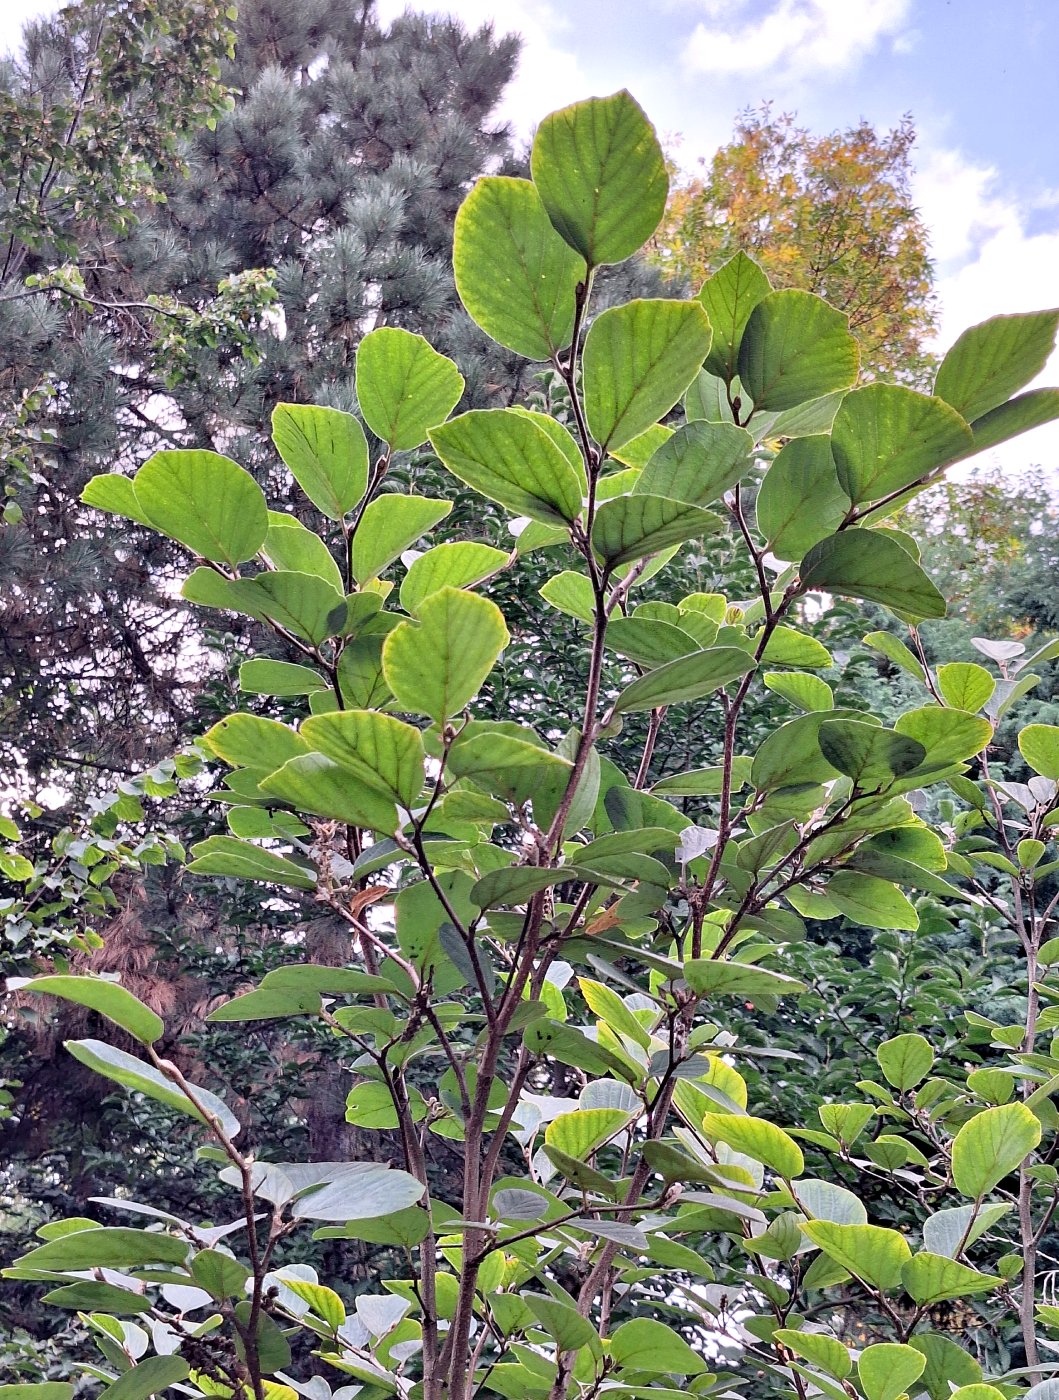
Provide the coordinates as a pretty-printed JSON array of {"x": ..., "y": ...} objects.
[
  {"x": 380, "y": 750},
  {"x": 794, "y": 348},
  {"x": 729, "y": 297},
  {"x": 508, "y": 457},
  {"x": 436, "y": 666},
  {"x": 204, "y": 501},
  {"x": 638, "y": 360},
  {"x": 389, "y": 525},
  {"x": 148, "y": 1377},
  {"x": 642, "y": 1344},
  {"x": 110, "y": 999},
  {"x": 1039, "y": 746},
  {"x": 698, "y": 463},
  {"x": 870, "y": 1252},
  {"x": 991, "y": 361},
  {"x": 905, "y": 1059},
  {"x": 359, "y": 1191},
  {"x": 933, "y": 1278},
  {"x": 514, "y": 274},
  {"x": 226, "y": 855},
  {"x": 316, "y": 784},
  {"x": 756, "y": 1138},
  {"x": 251, "y": 741},
  {"x": 888, "y": 1370},
  {"x": 404, "y": 386},
  {"x": 326, "y": 452},
  {"x": 870, "y": 901},
  {"x": 867, "y": 753},
  {"x": 458, "y": 564},
  {"x": 631, "y": 527},
  {"x": 869, "y": 564},
  {"x": 304, "y": 604},
  {"x": 688, "y": 678},
  {"x": 965, "y": 686},
  {"x": 143, "y": 1078},
  {"x": 801, "y": 501},
  {"x": 991, "y": 1146},
  {"x": 585, "y": 1130},
  {"x": 601, "y": 176},
  {"x": 886, "y": 437}
]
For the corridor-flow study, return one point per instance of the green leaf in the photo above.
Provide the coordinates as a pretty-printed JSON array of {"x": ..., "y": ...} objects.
[
  {"x": 947, "y": 735},
  {"x": 786, "y": 647},
  {"x": 699, "y": 463},
  {"x": 267, "y": 1004},
  {"x": 905, "y": 1060},
  {"x": 219, "y": 1274},
  {"x": 145, "y": 1079},
  {"x": 404, "y": 386},
  {"x": 389, "y": 525},
  {"x": 107, "y": 1247},
  {"x": 436, "y": 666},
  {"x": 279, "y": 678},
  {"x": 291, "y": 546},
  {"x": 313, "y": 783},
  {"x": 806, "y": 691},
  {"x": 965, "y": 686},
  {"x": 304, "y": 604},
  {"x": 1018, "y": 416},
  {"x": 326, "y": 452},
  {"x": 790, "y": 756},
  {"x": 828, "y": 1353},
  {"x": 688, "y": 678},
  {"x": 322, "y": 979},
  {"x": 638, "y": 360},
  {"x": 147, "y": 1377},
  {"x": 251, "y": 741},
  {"x": 572, "y": 594},
  {"x": 871, "y": 1252},
  {"x": 116, "y": 495},
  {"x": 729, "y": 297},
  {"x": 993, "y": 360},
  {"x": 563, "y": 1322},
  {"x": 756, "y": 1138},
  {"x": 512, "y": 460},
  {"x": 870, "y": 901},
  {"x": 795, "y": 347},
  {"x": 605, "y": 1003},
  {"x": 800, "y": 501},
  {"x": 645, "y": 1345},
  {"x": 1039, "y": 746},
  {"x": 225, "y": 855},
  {"x": 514, "y": 274},
  {"x": 947, "y": 1365},
  {"x": 649, "y": 641},
  {"x": 889, "y": 1369},
  {"x": 949, "y": 1231},
  {"x": 932, "y": 1278},
  {"x": 110, "y": 999},
  {"x": 359, "y": 1191},
  {"x": 991, "y": 1146},
  {"x": 204, "y": 501},
  {"x": 631, "y": 527},
  {"x": 455, "y": 565},
  {"x": 886, "y": 437},
  {"x": 870, "y": 755},
  {"x": 515, "y": 884},
  {"x": 712, "y": 977},
  {"x": 601, "y": 176},
  {"x": 869, "y": 564},
  {"x": 585, "y": 1130},
  {"x": 92, "y": 1297},
  {"x": 380, "y": 750},
  {"x": 511, "y": 768}
]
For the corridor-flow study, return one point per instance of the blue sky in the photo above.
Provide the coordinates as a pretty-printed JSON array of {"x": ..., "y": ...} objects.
[{"x": 980, "y": 78}]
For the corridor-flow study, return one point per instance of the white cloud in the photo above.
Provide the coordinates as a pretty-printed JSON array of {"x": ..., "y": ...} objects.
[
  {"x": 795, "y": 38},
  {"x": 548, "y": 75},
  {"x": 990, "y": 262}
]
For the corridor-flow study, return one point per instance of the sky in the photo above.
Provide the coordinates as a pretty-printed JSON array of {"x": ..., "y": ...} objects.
[{"x": 979, "y": 79}]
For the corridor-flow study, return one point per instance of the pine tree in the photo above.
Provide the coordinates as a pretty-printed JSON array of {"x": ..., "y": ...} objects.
[{"x": 319, "y": 206}]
